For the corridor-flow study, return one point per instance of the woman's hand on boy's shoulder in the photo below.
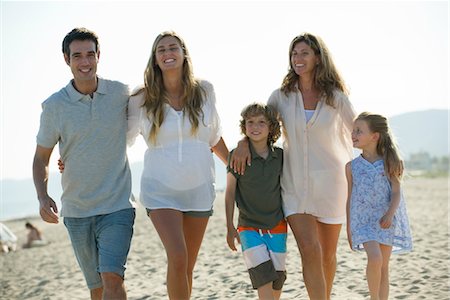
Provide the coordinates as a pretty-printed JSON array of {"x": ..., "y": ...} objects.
[{"x": 241, "y": 157}]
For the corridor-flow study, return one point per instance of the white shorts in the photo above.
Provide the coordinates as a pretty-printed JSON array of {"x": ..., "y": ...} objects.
[{"x": 337, "y": 220}]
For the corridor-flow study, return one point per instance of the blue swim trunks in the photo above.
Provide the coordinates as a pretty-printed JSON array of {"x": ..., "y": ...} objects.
[{"x": 265, "y": 254}]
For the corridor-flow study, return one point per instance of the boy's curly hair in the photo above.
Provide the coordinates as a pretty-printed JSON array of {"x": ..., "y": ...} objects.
[{"x": 269, "y": 113}]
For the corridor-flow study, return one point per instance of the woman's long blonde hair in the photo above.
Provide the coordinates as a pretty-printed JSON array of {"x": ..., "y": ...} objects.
[
  {"x": 326, "y": 76},
  {"x": 156, "y": 95},
  {"x": 386, "y": 146}
]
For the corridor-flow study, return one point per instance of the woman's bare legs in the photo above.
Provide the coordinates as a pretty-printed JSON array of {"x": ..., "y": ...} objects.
[
  {"x": 181, "y": 236},
  {"x": 304, "y": 228},
  {"x": 169, "y": 225},
  {"x": 194, "y": 230},
  {"x": 328, "y": 237}
]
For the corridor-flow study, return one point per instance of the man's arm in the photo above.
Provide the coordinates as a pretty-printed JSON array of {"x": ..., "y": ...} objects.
[{"x": 47, "y": 207}]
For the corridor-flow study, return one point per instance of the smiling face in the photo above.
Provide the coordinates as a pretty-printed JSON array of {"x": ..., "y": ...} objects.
[
  {"x": 257, "y": 128},
  {"x": 83, "y": 60},
  {"x": 169, "y": 54},
  {"x": 303, "y": 59}
]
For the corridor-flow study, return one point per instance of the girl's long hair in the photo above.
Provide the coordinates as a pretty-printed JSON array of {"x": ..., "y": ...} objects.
[
  {"x": 326, "y": 76},
  {"x": 155, "y": 94},
  {"x": 386, "y": 146}
]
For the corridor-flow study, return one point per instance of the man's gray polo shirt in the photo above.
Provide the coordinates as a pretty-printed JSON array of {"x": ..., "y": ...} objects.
[{"x": 92, "y": 143}]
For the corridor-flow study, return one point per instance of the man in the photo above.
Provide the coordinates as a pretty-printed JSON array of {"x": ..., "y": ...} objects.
[{"x": 88, "y": 120}]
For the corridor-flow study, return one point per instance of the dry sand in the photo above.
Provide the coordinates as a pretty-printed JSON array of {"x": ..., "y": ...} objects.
[{"x": 51, "y": 272}]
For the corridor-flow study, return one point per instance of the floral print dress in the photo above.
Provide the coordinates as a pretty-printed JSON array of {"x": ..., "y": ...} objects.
[{"x": 370, "y": 199}]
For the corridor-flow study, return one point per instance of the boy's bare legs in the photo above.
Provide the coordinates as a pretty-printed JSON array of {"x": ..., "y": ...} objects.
[
  {"x": 304, "y": 228},
  {"x": 276, "y": 294},
  {"x": 328, "y": 237},
  {"x": 265, "y": 292}
]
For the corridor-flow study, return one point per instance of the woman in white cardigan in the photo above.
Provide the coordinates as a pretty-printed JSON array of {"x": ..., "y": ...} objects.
[{"x": 317, "y": 122}]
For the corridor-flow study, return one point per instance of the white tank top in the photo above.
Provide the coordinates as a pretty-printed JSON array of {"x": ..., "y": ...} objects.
[{"x": 309, "y": 113}]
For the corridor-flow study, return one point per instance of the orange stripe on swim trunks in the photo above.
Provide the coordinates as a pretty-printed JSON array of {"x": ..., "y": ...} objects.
[{"x": 281, "y": 227}]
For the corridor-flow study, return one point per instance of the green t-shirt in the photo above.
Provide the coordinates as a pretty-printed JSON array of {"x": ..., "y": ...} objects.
[{"x": 258, "y": 191}]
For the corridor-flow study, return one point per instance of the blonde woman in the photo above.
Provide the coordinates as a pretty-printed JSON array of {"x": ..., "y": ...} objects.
[
  {"x": 317, "y": 121},
  {"x": 176, "y": 114}
]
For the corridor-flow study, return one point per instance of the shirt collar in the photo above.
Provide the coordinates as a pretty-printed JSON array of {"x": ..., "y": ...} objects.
[
  {"x": 272, "y": 152},
  {"x": 75, "y": 95}
]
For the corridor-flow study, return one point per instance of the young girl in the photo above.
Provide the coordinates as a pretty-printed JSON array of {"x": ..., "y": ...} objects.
[{"x": 376, "y": 214}]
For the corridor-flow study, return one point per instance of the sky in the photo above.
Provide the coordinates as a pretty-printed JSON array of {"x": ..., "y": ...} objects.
[{"x": 393, "y": 55}]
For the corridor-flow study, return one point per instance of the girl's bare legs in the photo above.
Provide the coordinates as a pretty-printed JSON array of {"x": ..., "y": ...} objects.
[
  {"x": 373, "y": 270},
  {"x": 194, "y": 230},
  {"x": 328, "y": 237},
  {"x": 304, "y": 228},
  {"x": 169, "y": 225},
  {"x": 384, "y": 284}
]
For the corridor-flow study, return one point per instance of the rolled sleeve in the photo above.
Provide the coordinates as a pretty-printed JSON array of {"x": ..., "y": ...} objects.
[
  {"x": 49, "y": 133},
  {"x": 214, "y": 119},
  {"x": 134, "y": 117}
]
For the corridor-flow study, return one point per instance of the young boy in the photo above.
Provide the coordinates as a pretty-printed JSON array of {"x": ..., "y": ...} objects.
[{"x": 262, "y": 229}]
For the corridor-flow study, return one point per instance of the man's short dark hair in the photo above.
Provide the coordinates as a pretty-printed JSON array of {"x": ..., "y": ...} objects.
[{"x": 80, "y": 34}]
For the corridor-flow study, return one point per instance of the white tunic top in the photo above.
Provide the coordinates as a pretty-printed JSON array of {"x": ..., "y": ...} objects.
[
  {"x": 179, "y": 169},
  {"x": 315, "y": 154}
]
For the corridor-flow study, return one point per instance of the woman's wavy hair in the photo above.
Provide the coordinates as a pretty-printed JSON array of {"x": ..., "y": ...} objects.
[
  {"x": 155, "y": 94},
  {"x": 386, "y": 146},
  {"x": 326, "y": 76},
  {"x": 257, "y": 109}
]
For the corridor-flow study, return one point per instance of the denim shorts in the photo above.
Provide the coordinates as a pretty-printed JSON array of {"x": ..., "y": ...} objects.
[{"x": 101, "y": 243}]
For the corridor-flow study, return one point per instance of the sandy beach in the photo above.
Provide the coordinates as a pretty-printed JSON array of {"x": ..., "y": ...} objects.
[{"x": 51, "y": 271}]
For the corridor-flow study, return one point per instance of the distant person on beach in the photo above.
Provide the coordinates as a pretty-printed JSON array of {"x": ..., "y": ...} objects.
[
  {"x": 261, "y": 228},
  {"x": 377, "y": 221},
  {"x": 317, "y": 118},
  {"x": 34, "y": 236},
  {"x": 87, "y": 118},
  {"x": 8, "y": 240},
  {"x": 176, "y": 115}
]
